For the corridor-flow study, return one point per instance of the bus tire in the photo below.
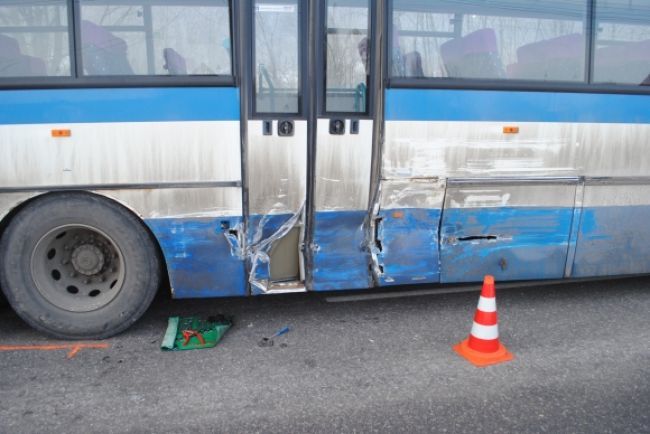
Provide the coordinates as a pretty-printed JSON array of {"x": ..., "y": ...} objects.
[{"x": 78, "y": 266}]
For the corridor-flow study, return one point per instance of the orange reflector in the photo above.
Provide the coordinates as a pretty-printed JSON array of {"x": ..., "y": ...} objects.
[
  {"x": 510, "y": 130},
  {"x": 61, "y": 133},
  {"x": 398, "y": 214}
]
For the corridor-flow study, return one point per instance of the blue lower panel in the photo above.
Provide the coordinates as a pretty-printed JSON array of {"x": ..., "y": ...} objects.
[
  {"x": 199, "y": 258},
  {"x": 341, "y": 261},
  {"x": 529, "y": 243},
  {"x": 408, "y": 243},
  {"x": 613, "y": 240}
]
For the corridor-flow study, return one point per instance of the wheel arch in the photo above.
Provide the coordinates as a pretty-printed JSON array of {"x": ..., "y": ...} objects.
[{"x": 21, "y": 203}]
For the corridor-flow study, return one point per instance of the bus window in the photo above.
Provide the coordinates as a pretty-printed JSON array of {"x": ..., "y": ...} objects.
[
  {"x": 622, "y": 42},
  {"x": 277, "y": 57},
  {"x": 348, "y": 56},
  {"x": 501, "y": 39},
  {"x": 155, "y": 38},
  {"x": 34, "y": 39}
]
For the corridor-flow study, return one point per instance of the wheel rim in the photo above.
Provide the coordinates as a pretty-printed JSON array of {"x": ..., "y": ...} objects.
[{"x": 78, "y": 268}]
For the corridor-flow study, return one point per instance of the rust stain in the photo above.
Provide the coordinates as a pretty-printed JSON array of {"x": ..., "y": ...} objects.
[{"x": 73, "y": 349}]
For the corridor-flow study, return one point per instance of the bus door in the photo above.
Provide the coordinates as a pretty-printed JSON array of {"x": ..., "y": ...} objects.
[
  {"x": 344, "y": 143},
  {"x": 280, "y": 172}
]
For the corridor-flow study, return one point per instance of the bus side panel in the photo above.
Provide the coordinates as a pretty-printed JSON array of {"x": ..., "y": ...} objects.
[{"x": 614, "y": 235}]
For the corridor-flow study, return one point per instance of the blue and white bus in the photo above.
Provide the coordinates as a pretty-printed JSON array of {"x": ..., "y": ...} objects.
[{"x": 258, "y": 147}]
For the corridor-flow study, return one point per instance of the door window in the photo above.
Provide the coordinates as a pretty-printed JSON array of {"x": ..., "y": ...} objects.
[
  {"x": 348, "y": 56},
  {"x": 277, "y": 56}
]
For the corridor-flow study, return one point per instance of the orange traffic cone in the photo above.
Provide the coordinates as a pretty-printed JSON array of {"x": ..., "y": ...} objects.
[{"x": 482, "y": 347}]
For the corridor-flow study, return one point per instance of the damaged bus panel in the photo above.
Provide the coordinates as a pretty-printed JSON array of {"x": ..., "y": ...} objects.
[{"x": 254, "y": 147}]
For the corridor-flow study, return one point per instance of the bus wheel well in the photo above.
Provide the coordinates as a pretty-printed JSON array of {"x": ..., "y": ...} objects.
[{"x": 159, "y": 254}]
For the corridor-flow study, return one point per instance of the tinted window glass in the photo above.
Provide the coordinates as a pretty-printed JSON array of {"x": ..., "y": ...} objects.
[
  {"x": 622, "y": 45},
  {"x": 277, "y": 56},
  {"x": 500, "y": 39},
  {"x": 34, "y": 39},
  {"x": 155, "y": 38},
  {"x": 348, "y": 56}
]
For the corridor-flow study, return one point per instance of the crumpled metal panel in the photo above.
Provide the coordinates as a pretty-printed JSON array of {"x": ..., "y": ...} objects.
[
  {"x": 277, "y": 176},
  {"x": 404, "y": 248}
]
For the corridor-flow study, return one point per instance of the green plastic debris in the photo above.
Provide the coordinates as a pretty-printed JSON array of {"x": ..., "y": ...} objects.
[{"x": 192, "y": 333}]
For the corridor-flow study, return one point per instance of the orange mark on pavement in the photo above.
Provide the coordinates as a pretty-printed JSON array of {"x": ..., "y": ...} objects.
[{"x": 72, "y": 349}]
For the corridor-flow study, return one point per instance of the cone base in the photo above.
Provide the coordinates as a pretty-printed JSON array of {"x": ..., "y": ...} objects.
[{"x": 480, "y": 359}]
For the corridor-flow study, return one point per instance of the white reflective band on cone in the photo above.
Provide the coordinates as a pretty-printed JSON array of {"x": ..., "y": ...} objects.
[
  {"x": 487, "y": 333},
  {"x": 487, "y": 304}
]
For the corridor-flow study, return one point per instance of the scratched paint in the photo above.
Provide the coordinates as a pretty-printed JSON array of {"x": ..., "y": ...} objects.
[
  {"x": 613, "y": 240},
  {"x": 199, "y": 257},
  {"x": 509, "y": 243},
  {"x": 341, "y": 259}
]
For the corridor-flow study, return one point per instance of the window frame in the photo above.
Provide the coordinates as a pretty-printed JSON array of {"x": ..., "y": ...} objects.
[
  {"x": 322, "y": 66},
  {"x": 586, "y": 86},
  {"x": 303, "y": 46},
  {"x": 78, "y": 80}
]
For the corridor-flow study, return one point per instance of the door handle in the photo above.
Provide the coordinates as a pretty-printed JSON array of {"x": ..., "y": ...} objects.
[{"x": 285, "y": 128}]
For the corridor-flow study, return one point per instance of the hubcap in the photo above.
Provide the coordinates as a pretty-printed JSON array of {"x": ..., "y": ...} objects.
[{"x": 78, "y": 268}]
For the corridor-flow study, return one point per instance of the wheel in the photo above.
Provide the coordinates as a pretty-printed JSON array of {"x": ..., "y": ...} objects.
[{"x": 78, "y": 266}]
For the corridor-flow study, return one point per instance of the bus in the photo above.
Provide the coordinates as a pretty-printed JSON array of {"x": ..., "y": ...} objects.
[{"x": 253, "y": 147}]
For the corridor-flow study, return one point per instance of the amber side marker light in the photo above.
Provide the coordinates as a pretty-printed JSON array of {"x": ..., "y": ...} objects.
[
  {"x": 61, "y": 133},
  {"x": 511, "y": 130}
]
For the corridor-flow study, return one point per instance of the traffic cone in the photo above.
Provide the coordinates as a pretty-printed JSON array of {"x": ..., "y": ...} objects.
[{"x": 482, "y": 347}]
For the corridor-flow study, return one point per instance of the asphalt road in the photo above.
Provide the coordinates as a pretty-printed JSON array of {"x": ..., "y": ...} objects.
[{"x": 582, "y": 364}]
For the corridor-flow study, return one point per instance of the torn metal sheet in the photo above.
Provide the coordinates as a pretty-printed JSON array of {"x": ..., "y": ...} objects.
[
  {"x": 258, "y": 250},
  {"x": 404, "y": 245},
  {"x": 276, "y": 178}
]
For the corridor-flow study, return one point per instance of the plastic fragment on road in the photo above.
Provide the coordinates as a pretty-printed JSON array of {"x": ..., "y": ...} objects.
[
  {"x": 193, "y": 333},
  {"x": 268, "y": 341}
]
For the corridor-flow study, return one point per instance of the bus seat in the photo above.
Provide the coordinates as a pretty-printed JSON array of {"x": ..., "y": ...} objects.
[
  {"x": 9, "y": 47},
  {"x": 174, "y": 62},
  {"x": 474, "y": 55},
  {"x": 560, "y": 58},
  {"x": 12, "y": 62},
  {"x": 646, "y": 82},
  {"x": 627, "y": 62},
  {"x": 413, "y": 64},
  {"x": 35, "y": 66},
  {"x": 104, "y": 53}
]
